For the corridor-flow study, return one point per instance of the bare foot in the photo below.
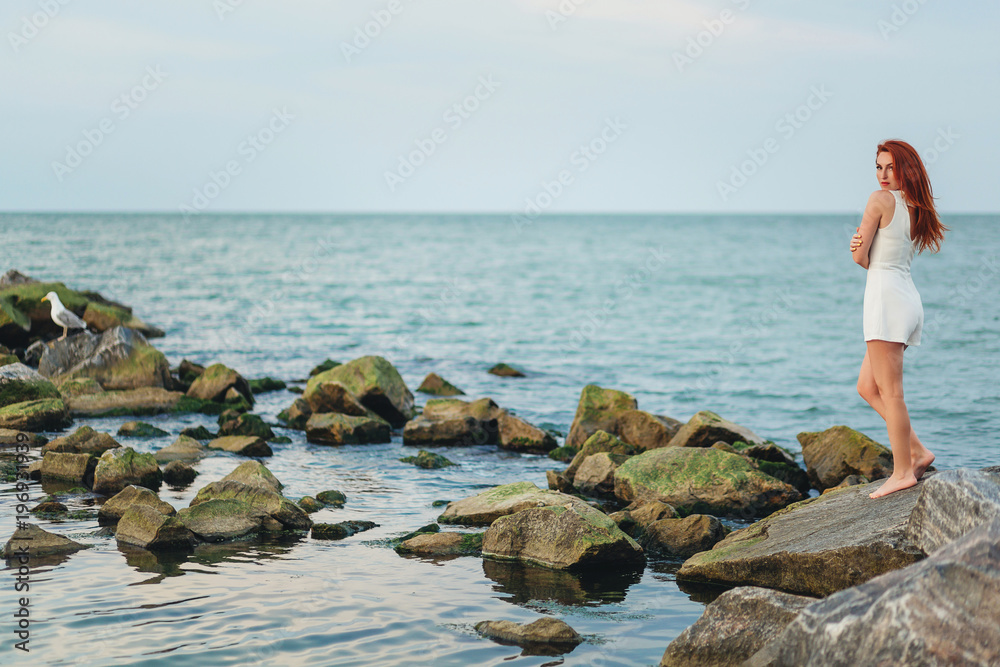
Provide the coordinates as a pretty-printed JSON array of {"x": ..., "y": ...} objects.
[
  {"x": 894, "y": 484},
  {"x": 921, "y": 464}
]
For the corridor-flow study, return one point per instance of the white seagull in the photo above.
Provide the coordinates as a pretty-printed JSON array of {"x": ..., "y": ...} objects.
[{"x": 63, "y": 316}]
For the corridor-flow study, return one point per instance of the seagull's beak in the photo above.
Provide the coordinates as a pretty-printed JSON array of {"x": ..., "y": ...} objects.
[{"x": 45, "y": 298}]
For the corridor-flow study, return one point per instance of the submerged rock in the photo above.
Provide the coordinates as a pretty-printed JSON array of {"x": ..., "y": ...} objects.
[
  {"x": 244, "y": 445},
  {"x": 428, "y": 460},
  {"x": 259, "y": 499},
  {"x": 332, "y": 497},
  {"x": 219, "y": 520},
  {"x": 505, "y": 370},
  {"x": 438, "y": 386},
  {"x": 117, "y": 468},
  {"x": 734, "y": 627},
  {"x": 548, "y": 632},
  {"x": 115, "y": 507},
  {"x": 484, "y": 508},
  {"x": 561, "y": 536},
  {"x": 143, "y": 526},
  {"x": 338, "y": 531},
  {"x": 35, "y": 541},
  {"x": 137, "y": 429},
  {"x": 310, "y": 505},
  {"x": 443, "y": 544},
  {"x": 840, "y": 451},
  {"x": 334, "y": 428},
  {"x": 184, "y": 448},
  {"x": 598, "y": 409}
]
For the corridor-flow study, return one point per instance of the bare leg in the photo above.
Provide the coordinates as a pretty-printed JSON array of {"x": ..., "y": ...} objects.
[
  {"x": 868, "y": 389},
  {"x": 887, "y": 366}
]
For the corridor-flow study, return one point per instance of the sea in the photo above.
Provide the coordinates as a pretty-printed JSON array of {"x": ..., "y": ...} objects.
[{"x": 755, "y": 317}]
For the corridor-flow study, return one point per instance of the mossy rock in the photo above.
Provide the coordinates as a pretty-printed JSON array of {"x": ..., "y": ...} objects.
[
  {"x": 598, "y": 409},
  {"x": 563, "y": 454},
  {"x": 338, "y": 531},
  {"x": 265, "y": 384},
  {"x": 442, "y": 544},
  {"x": 325, "y": 365},
  {"x": 505, "y": 370},
  {"x": 376, "y": 382},
  {"x": 46, "y": 414},
  {"x": 436, "y": 385},
  {"x": 137, "y": 429},
  {"x": 331, "y": 497},
  {"x": 20, "y": 383},
  {"x": 428, "y": 460},
  {"x": 118, "y": 468}
]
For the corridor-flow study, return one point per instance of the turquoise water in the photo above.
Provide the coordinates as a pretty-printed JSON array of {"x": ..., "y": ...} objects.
[{"x": 757, "y": 318}]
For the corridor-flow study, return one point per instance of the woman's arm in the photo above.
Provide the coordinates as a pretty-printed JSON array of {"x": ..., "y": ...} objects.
[{"x": 870, "y": 221}]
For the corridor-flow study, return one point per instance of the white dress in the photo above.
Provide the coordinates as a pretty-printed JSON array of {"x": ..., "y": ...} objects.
[{"x": 893, "y": 310}]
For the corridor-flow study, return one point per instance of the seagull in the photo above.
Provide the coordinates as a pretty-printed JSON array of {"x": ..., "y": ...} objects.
[{"x": 63, "y": 316}]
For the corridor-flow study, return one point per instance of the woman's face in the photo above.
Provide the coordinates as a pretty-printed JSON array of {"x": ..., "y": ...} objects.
[{"x": 885, "y": 171}]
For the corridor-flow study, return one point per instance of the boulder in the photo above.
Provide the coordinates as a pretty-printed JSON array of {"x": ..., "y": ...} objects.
[
  {"x": 331, "y": 497},
  {"x": 69, "y": 467},
  {"x": 428, "y": 460},
  {"x": 839, "y": 451},
  {"x": 563, "y": 454},
  {"x": 140, "y": 401},
  {"x": 198, "y": 433},
  {"x": 505, "y": 370},
  {"x": 596, "y": 475},
  {"x": 484, "y": 508},
  {"x": 950, "y": 504},
  {"x": 37, "y": 542},
  {"x": 10, "y": 436},
  {"x": 334, "y": 428},
  {"x": 559, "y": 482},
  {"x": 112, "y": 510},
  {"x": 219, "y": 520},
  {"x": 310, "y": 504},
  {"x": 443, "y": 544},
  {"x": 143, "y": 526},
  {"x": 266, "y": 384},
  {"x": 452, "y": 421},
  {"x": 119, "y": 358},
  {"x": 438, "y": 386},
  {"x": 706, "y": 428},
  {"x": 600, "y": 441},
  {"x": 137, "y": 429},
  {"x": 246, "y": 424},
  {"x": 325, "y": 365},
  {"x": 517, "y": 435},
  {"x": 216, "y": 381},
  {"x": 82, "y": 386},
  {"x": 771, "y": 460},
  {"x": 244, "y": 445},
  {"x": 255, "y": 473},
  {"x": 598, "y": 409},
  {"x": 943, "y": 610},
  {"x": 681, "y": 538},
  {"x": 184, "y": 448},
  {"x": 333, "y": 396},
  {"x": 259, "y": 499},
  {"x": 734, "y": 627},
  {"x": 20, "y": 383},
  {"x": 546, "y": 631},
  {"x": 702, "y": 480},
  {"x": 645, "y": 430},
  {"x": 375, "y": 382},
  {"x": 85, "y": 440},
  {"x": 573, "y": 535},
  {"x": 850, "y": 480},
  {"x": 338, "y": 531},
  {"x": 816, "y": 546},
  {"x": 179, "y": 473},
  {"x": 44, "y": 414},
  {"x": 117, "y": 468}
]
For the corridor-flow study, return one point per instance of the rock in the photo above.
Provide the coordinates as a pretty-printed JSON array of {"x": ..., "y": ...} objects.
[
  {"x": 10, "y": 436},
  {"x": 183, "y": 448},
  {"x": 333, "y": 396},
  {"x": 702, "y": 480},
  {"x": 37, "y": 542},
  {"x": 198, "y": 433},
  {"x": 119, "y": 358},
  {"x": 310, "y": 505},
  {"x": 706, "y": 428},
  {"x": 332, "y": 497},
  {"x": 188, "y": 371},
  {"x": 681, "y": 538},
  {"x": 20, "y": 383},
  {"x": 600, "y": 441},
  {"x": 950, "y": 504},
  {"x": 255, "y": 473},
  {"x": 219, "y": 520},
  {"x": 377, "y": 384},
  {"x": 596, "y": 475},
  {"x": 634, "y": 519},
  {"x": 517, "y": 435},
  {"x": 573, "y": 535},
  {"x": 425, "y": 459},
  {"x": 564, "y": 454},
  {"x": 438, "y": 386},
  {"x": 645, "y": 430},
  {"x": 297, "y": 415},
  {"x": 117, "y": 468},
  {"x": 265, "y": 384},
  {"x": 137, "y": 429},
  {"x": 816, "y": 546},
  {"x": 101, "y": 315},
  {"x": 140, "y": 401},
  {"x": 247, "y": 424},
  {"x": 338, "y": 531},
  {"x": 144, "y": 526},
  {"x": 839, "y": 451},
  {"x": 454, "y": 422},
  {"x": 69, "y": 467},
  {"x": 443, "y": 544},
  {"x": 84, "y": 440},
  {"x": 943, "y": 610},
  {"x": 49, "y": 507},
  {"x": 484, "y": 508},
  {"x": 45, "y": 414},
  {"x": 734, "y": 627},
  {"x": 850, "y": 480},
  {"x": 216, "y": 381},
  {"x": 558, "y": 482},
  {"x": 332, "y": 428},
  {"x": 244, "y": 445},
  {"x": 326, "y": 365},
  {"x": 260, "y": 499},
  {"x": 115, "y": 507},
  {"x": 178, "y": 473},
  {"x": 81, "y": 386},
  {"x": 505, "y": 370},
  {"x": 549, "y": 632},
  {"x": 598, "y": 409}
]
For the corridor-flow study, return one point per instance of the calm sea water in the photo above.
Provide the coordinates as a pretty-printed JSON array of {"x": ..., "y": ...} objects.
[{"x": 755, "y": 317}]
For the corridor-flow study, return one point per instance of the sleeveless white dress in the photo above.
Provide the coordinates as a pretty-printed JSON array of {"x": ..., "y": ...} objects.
[{"x": 893, "y": 310}]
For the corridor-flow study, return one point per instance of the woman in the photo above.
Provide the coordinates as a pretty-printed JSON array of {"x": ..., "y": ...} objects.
[{"x": 899, "y": 219}]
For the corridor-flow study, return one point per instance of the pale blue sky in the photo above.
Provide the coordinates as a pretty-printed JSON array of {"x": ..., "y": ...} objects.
[{"x": 674, "y": 129}]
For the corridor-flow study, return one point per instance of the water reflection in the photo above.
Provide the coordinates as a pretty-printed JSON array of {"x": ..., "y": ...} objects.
[{"x": 532, "y": 583}]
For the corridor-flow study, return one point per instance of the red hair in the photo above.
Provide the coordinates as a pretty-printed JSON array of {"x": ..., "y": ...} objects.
[{"x": 916, "y": 187}]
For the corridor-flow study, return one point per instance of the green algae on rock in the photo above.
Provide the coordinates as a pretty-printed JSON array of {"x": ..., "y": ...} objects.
[{"x": 428, "y": 460}]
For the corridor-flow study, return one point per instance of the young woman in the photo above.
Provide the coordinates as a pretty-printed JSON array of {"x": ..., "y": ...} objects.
[{"x": 898, "y": 220}]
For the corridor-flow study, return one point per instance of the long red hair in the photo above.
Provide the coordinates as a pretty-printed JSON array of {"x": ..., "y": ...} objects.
[{"x": 916, "y": 187}]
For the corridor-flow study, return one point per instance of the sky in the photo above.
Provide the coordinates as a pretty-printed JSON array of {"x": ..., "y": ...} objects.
[{"x": 509, "y": 106}]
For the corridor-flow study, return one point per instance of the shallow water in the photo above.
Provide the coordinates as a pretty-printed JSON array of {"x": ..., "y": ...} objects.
[{"x": 755, "y": 317}]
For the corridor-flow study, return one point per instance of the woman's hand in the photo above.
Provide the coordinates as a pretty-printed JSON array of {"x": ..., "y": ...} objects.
[{"x": 856, "y": 240}]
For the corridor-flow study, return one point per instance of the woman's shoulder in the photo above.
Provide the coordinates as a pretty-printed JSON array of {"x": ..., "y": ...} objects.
[{"x": 882, "y": 199}]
